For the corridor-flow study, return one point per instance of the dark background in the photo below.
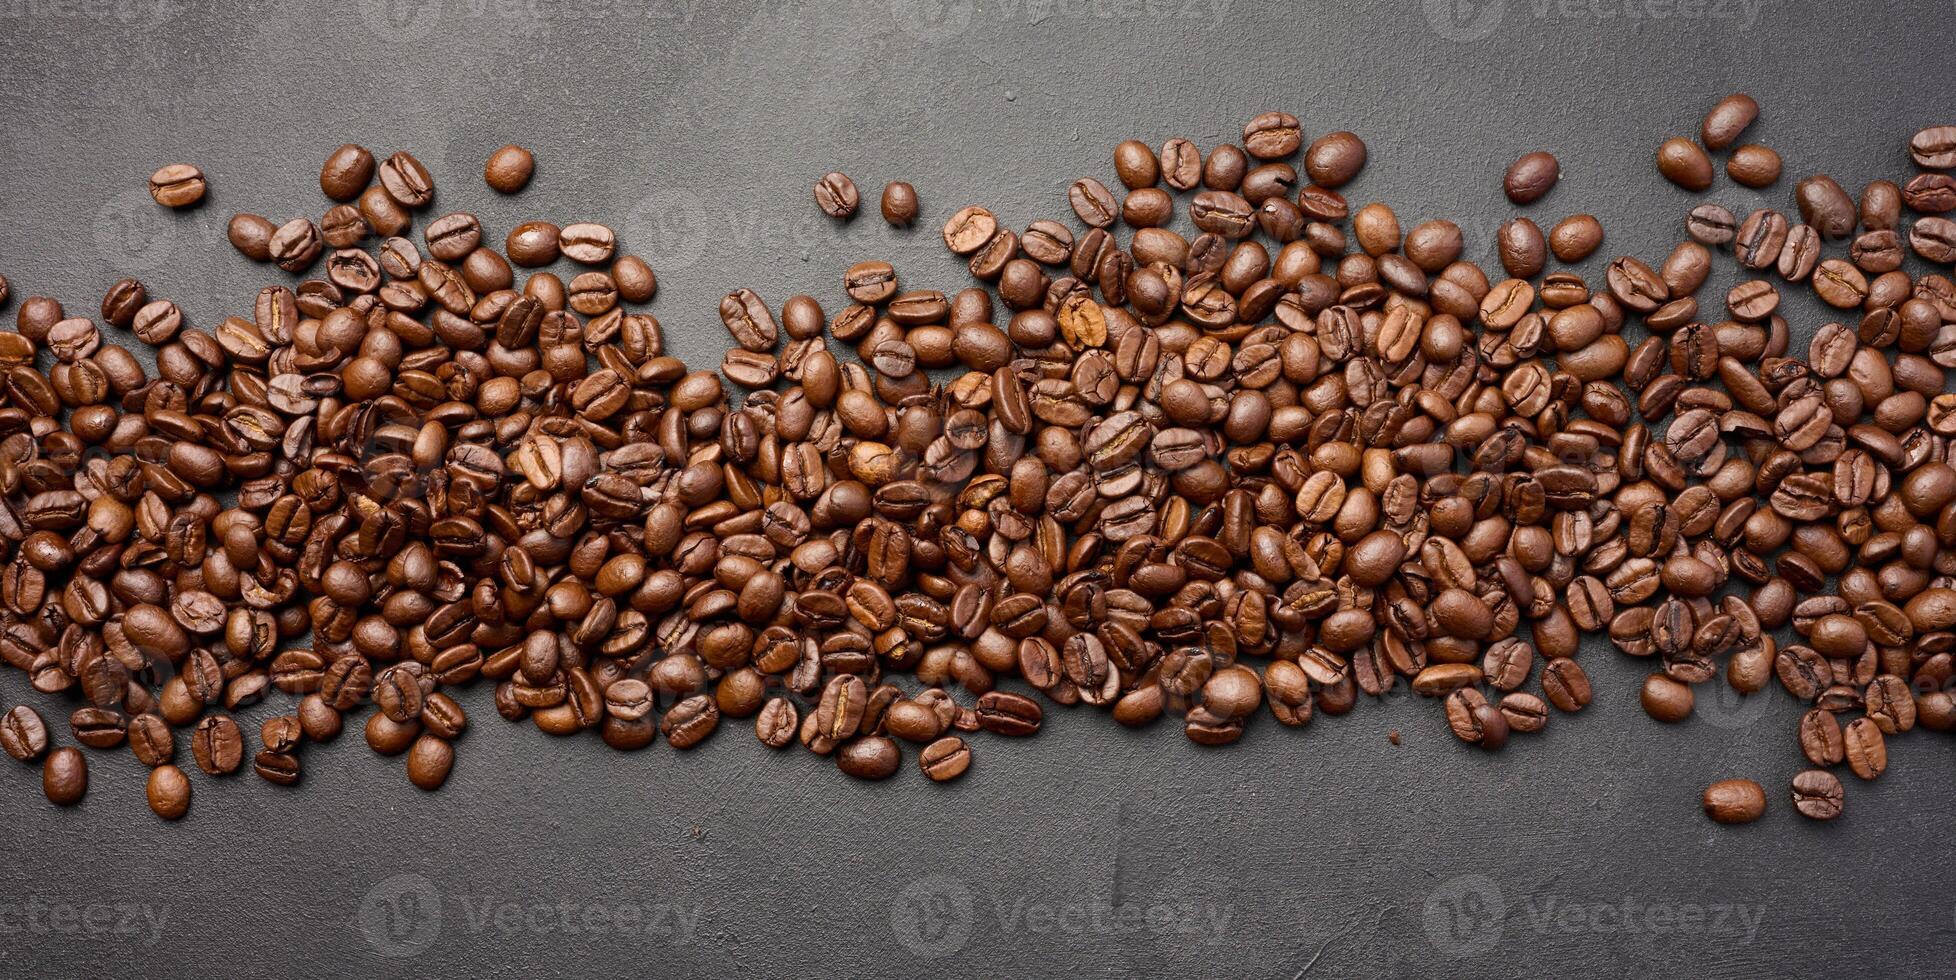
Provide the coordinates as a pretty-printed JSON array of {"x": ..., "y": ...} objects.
[{"x": 696, "y": 129}]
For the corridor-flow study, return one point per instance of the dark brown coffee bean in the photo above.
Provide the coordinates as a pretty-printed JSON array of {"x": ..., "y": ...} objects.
[
  {"x": 1865, "y": 750},
  {"x": 429, "y": 762},
  {"x": 509, "y": 169},
  {"x": 1817, "y": 795},
  {"x": 1727, "y": 120},
  {"x": 1753, "y": 165},
  {"x": 217, "y": 745},
  {"x": 1531, "y": 177},
  {"x": 1566, "y": 685},
  {"x": 836, "y": 195},
  {"x": 1711, "y": 224},
  {"x": 1734, "y": 801},
  {"x": 23, "y": 734},
  {"x": 1685, "y": 164},
  {"x": 1008, "y": 714},
  {"x": 168, "y": 792},
  {"x": 177, "y": 185},
  {"x": 64, "y": 776},
  {"x": 869, "y": 757},
  {"x": 346, "y": 173},
  {"x": 407, "y": 181}
]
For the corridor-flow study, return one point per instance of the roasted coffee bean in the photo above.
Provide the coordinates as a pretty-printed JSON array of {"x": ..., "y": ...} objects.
[
  {"x": 1711, "y": 224},
  {"x": 1817, "y": 794},
  {"x": 347, "y": 172},
  {"x": 869, "y": 757},
  {"x": 23, "y": 734},
  {"x": 1566, "y": 685},
  {"x": 406, "y": 180},
  {"x": 177, "y": 185},
  {"x": 508, "y": 170},
  {"x": 429, "y": 762},
  {"x": 1531, "y": 177},
  {"x": 1727, "y": 120},
  {"x": 1753, "y": 165},
  {"x": 1685, "y": 164},
  {"x": 1735, "y": 801},
  {"x": 169, "y": 792},
  {"x": 64, "y": 776},
  {"x": 217, "y": 745},
  {"x": 1191, "y": 472},
  {"x": 1008, "y": 714},
  {"x": 945, "y": 759},
  {"x": 1864, "y": 748},
  {"x": 836, "y": 195},
  {"x": 899, "y": 204}
]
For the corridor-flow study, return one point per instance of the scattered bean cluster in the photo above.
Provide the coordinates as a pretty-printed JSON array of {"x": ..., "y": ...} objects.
[{"x": 1286, "y": 456}]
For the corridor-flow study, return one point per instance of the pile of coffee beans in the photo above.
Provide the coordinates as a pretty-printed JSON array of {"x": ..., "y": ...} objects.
[{"x": 1279, "y": 451}]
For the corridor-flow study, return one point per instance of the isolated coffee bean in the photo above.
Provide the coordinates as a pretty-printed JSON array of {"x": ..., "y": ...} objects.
[
  {"x": 1735, "y": 801},
  {"x": 429, "y": 762},
  {"x": 346, "y": 172},
  {"x": 836, "y": 194},
  {"x": 1727, "y": 120},
  {"x": 1531, "y": 177},
  {"x": 64, "y": 776},
  {"x": 177, "y": 185},
  {"x": 169, "y": 792},
  {"x": 509, "y": 169},
  {"x": 23, "y": 734},
  {"x": 1817, "y": 795},
  {"x": 1685, "y": 164}
]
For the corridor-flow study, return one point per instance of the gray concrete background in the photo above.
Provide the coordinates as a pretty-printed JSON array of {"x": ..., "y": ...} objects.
[{"x": 695, "y": 129}]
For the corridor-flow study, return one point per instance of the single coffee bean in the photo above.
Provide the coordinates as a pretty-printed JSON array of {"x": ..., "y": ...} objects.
[
  {"x": 1825, "y": 205},
  {"x": 217, "y": 745},
  {"x": 836, "y": 194},
  {"x": 1685, "y": 164},
  {"x": 1866, "y": 751},
  {"x": 1531, "y": 177},
  {"x": 277, "y": 768},
  {"x": 1817, "y": 794},
  {"x": 1008, "y": 714},
  {"x": 509, "y": 169},
  {"x": 1574, "y": 238},
  {"x": 1735, "y": 801},
  {"x": 1566, "y": 685},
  {"x": 64, "y": 776},
  {"x": 23, "y": 734},
  {"x": 1665, "y": 699},
  {"x": 1753, "y": 165},
  {"x": 1727, "y": 119},
  {"x": 347, "y": 172},
  {"x": 1821, "y": 738},
  {"x": 429, "y": 762},
  {"x": 869, "y": 757},
  {"x": 169, "y": 792},
  {"x": 899, "y": 204},
  {"x": 251, "y": 235},
  {"x": 1711, "y": 225},
  {"x": 945, "y": 759},
  {"x": 177, "y": 185},
  {"x": 407, "y": 181}
]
